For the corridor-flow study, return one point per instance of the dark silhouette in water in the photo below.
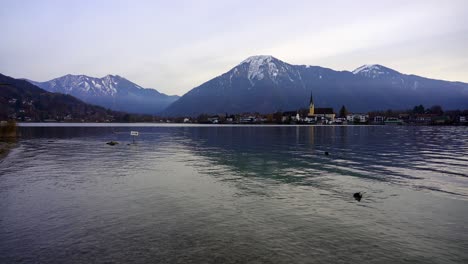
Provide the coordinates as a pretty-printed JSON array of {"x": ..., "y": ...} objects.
[
  {"x": 357, "y": 196},
  {"x": 112, "y": 143},
  {"x": 326, "y": 153}
]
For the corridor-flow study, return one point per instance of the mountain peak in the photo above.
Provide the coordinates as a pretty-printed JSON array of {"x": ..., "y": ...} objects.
[
  {"x": 261, "y": 66},
  {"x": 113, "y": 76},
  {"x": 374, "y": 70},
  {"x": 259, "y": 59},
  {"x": 73, "y": 76}
]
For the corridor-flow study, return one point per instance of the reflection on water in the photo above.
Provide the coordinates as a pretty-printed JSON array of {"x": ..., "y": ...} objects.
[
  {"x": 235, "y": 194},
  {"x": 296, "y": 154}
]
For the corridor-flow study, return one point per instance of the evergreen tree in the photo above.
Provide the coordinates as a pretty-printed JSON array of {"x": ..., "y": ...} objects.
[
  {"x": 419, "y": 109},
  {"x": 343, "y": 111}
]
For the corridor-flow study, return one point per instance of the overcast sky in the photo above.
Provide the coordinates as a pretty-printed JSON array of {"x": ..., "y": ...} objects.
[{"x": 174, "y": 46}]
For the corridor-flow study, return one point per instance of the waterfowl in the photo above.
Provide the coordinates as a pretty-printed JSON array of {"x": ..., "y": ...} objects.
[{"x": 357, "y": 196}]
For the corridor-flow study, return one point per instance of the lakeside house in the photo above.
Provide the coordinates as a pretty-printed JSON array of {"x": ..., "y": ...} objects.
[
  {"x": 357, "y": 118},
  {"x": 379, "y": 119},
  {"x": 293, "y": 116},
  {"x": 213, "y": 119},
  {"x": 248, "y": 119}
]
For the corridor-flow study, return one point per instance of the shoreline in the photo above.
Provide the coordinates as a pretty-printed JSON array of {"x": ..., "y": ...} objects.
[
  {"x": 143, "y": 124},
  {"x": 58, "y": 124},
  {"x": 5, "y": 148}
]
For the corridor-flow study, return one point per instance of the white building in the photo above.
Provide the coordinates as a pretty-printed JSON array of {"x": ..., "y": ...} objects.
[{"x": 357, "y": 118}]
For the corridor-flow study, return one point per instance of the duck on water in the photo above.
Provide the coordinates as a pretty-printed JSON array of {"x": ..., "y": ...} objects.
[{"x": 358, "y": 196}]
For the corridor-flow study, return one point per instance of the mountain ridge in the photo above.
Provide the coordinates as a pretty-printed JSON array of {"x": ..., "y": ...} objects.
[
  {"x": 265, "y": 84},
  {"x": 24, "y": 101},
  {"x": 111, "y": 91}
]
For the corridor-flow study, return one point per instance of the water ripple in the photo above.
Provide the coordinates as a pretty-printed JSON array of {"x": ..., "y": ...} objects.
[{"x": 217, "y": 194}]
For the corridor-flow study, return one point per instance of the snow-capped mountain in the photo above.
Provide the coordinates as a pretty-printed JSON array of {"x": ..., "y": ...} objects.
[
  {"x": 110, "y": 91},
  {"x": 105, "y": 86},
  {"x": 259, "y": 83},
  {"x": 38, "y": 105},
  {"x": 266, "y": 84}
]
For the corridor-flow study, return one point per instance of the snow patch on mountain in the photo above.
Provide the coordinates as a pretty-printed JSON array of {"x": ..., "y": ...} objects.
[
  {"x": 105, "y": 86},
  {"x": 365, "y": 68},
  {"x": 258, "y": 65},
  {"x": 374, "y": 71},
  {"x": 266, "y": 66}
]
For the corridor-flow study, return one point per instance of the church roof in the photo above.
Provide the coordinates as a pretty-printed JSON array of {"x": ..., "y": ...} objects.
[{"x": 323, "y": 111}]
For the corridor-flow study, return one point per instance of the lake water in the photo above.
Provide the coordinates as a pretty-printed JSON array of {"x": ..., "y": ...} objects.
[{"x": 235, "y": 194}]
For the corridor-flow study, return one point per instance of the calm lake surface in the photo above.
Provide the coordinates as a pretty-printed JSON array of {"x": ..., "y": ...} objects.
[{"x": 235, "y": 194}]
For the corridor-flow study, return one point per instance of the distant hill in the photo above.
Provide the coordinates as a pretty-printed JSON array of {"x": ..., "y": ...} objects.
[
  {"x": 24, "y": 101},
  {"x": 111, "y": 91},
  {"x": 265, "y": 84}
]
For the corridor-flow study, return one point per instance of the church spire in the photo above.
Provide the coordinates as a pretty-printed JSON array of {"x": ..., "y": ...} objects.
[{"x": 311, "y": 105}]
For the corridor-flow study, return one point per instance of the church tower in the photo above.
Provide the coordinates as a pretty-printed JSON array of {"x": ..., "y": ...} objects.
[{"x": 311, "y": 105}]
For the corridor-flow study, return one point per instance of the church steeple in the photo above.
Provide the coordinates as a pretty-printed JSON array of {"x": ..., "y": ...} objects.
[{"x": 311, "y": 105}]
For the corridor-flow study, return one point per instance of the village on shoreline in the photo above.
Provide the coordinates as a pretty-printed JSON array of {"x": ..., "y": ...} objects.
[
  {"x": 321, "y": 116},
  {"x": 419, "y": 115},
  {"x": 296, "y": 118}
]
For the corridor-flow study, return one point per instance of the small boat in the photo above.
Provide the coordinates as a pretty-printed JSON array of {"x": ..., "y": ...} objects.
[{"x": 393, "y": 121}]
